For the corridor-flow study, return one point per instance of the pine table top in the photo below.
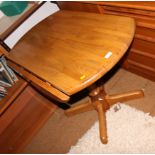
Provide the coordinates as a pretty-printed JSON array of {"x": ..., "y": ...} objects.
[{"x": 72, "y": 50}]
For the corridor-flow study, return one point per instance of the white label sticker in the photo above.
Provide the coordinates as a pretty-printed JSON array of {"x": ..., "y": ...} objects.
[{"x": 108, "y": 55}]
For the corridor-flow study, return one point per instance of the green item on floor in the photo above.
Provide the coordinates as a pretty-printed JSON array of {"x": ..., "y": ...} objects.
[{"x": 12, "y": 8}]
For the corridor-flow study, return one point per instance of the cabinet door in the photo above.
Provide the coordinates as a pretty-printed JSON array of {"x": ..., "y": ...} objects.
[{"x": 23, "y": 119}]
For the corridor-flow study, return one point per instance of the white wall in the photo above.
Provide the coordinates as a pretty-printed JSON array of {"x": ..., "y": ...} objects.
[{"x": 44, "y": 11}]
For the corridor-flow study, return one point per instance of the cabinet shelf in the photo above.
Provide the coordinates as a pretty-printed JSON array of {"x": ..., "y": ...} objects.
[{"x": 13, "y": 92}]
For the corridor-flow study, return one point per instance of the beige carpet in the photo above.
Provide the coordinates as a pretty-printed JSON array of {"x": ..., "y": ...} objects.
[
  {"x": 132, "y": 133},
  {"x": 60, "y": 132}
]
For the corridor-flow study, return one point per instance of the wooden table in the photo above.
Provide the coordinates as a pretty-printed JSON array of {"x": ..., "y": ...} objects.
[
  {"x": 72, "y": 50},
  {"x": 69, "y": 48}
]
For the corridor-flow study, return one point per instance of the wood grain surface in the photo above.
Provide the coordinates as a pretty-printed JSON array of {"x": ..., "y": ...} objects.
[
  {"x": 22, "y": 121},
  {"x": 68, "y": 49},
  {"x": 13, "y": 93},
  {"x": 141, "y": 5}
]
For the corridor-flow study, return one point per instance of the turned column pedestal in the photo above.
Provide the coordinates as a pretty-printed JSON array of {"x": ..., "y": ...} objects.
[{"x": 101, "y": 102}]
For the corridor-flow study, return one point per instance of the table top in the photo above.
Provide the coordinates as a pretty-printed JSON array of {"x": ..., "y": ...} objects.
[{"x": 71, "y": 50}]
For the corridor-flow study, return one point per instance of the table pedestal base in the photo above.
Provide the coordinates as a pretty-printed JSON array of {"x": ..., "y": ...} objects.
[{"x": 101, "y": 102}]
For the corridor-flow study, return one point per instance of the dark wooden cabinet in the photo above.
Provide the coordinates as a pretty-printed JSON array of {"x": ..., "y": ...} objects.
[{"x": 141, "y": 54}]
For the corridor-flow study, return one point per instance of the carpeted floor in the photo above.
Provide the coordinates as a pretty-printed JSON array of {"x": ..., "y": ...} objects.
[
  {"x": 132, "y": 133},
  {"x": 60, "y": 132}
]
